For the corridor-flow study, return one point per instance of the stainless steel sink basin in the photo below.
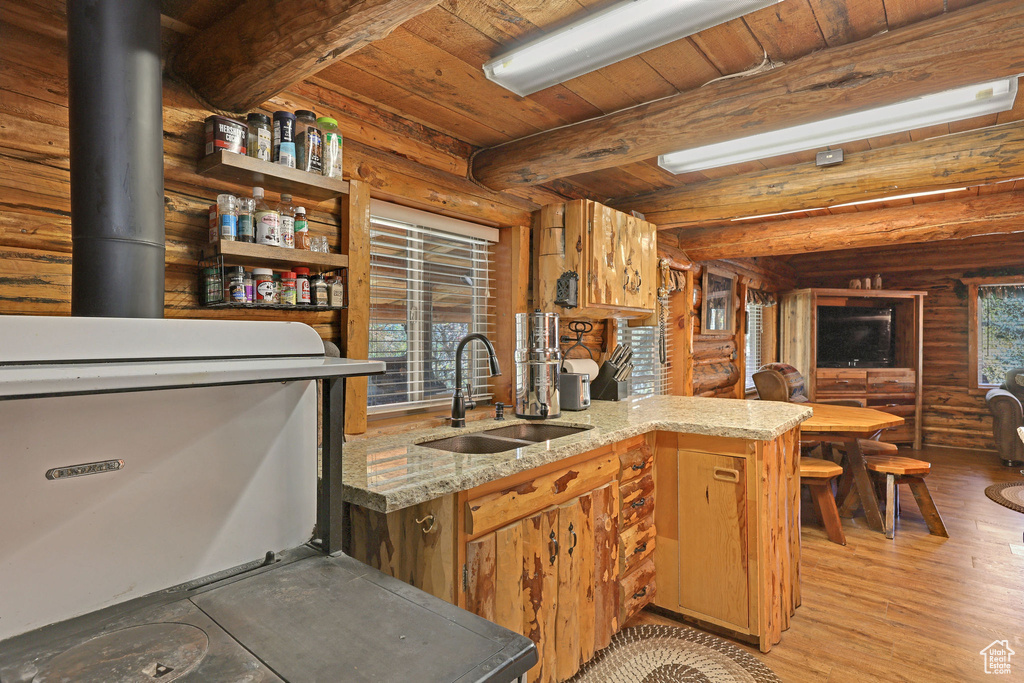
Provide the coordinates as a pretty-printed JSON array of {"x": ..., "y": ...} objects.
[
  {"x": 502, "y": 439},
  {"x": 476, "y": 443},
  {"x": 535, "y": 432}
]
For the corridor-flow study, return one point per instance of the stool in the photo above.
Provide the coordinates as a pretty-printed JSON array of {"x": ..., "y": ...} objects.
[
  {"x": 900, "y": 470},
  {"x": 818, "y": 474}
]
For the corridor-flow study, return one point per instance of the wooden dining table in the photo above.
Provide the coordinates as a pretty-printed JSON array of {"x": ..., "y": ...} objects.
[{"x": 845, "y": 425}]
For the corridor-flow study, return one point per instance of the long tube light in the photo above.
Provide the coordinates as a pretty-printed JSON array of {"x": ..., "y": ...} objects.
[
  {"x": 618, "y": 32},
  {"x": 967, "y": 102}
]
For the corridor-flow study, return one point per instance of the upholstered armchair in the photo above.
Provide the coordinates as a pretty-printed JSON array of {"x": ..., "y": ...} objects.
[
  {"x": 1007, "y": 416},
  {"x": 783, "y": 382}
]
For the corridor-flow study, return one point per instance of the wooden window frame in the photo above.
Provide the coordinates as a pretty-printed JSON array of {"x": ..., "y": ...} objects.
[{"x": 974, "y": 386}]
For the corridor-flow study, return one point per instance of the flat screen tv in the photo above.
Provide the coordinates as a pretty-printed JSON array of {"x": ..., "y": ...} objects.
[{"x": 856, "y": 337}]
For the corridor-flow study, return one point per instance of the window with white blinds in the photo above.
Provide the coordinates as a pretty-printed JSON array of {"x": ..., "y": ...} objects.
[
  {"x": 428, "y": 289},
  {"x": 649, "y": 375},
  {"x": 754, "y": 341}
]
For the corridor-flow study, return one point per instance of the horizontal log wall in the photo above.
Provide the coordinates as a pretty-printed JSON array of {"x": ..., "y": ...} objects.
[
  {"x": 399, "y": 159},
  {"x": 952, "y": 416}
]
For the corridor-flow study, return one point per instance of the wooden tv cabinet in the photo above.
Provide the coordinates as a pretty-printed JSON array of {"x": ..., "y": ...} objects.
[{"x": 895, "y": 390}]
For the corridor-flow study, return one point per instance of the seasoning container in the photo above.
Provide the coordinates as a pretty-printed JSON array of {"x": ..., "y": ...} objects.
[
  {"x": 268, "y": 221},
  {"x": 213, "y": 285},
  {"x": 302, "y": 286},
  {"x": 225, "y": 134},
  {"x": 246, "y": 224},
  {"x": 227, "y": 217},
  {"x": 249, "y": 290},
  {"x": 309, "y": 142},
  {"x": 302, "y": 240},
  {"x": 284, "y": 138},
  {"x": 332, "y": 147},
  {"x": 260, "y": 139},
  {"x": 264, "y": 282},
  {"x": 287, "y": 212},
  {"x": 318, "y": 290},
  {"x": 236, "y": 285},
  {"x": 336, "y": 292},
  {"x": 276, "y": 294},
  {"x": 288, "y": 294}
]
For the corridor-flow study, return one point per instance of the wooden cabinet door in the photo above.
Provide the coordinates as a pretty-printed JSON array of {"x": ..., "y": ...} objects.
[
  {"x": 607, "y": 256},
  {"x": 713, "y": 540}
]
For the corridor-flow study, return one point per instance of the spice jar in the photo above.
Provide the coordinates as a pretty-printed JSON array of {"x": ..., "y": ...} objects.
[
  {"x": 284, "y": 138},
  {"x": 309, "y": 143},
  {"x": 236, "y": 285},
  {"x": 302, "y": 286},
  {"x": 332, "y": 147},
  {"x": 249, "y": 289},
  {"x": 213, "y": 286},
  {"x": 288, "y": 294},
  {"x": 227, "y": 212},
  {"x": 246, "y": 226},
  {"x": 318, "y": 290},
  {"x": 302, "y": 240},
  {"x": 264, "y": 280},
  {"x": 336, "y": 292},
  {"x": 260, "y": 137}
]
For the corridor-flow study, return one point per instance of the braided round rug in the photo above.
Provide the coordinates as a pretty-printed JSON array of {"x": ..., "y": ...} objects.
[
  {"x": 1009, "y": 495},
  {"x": 672, "y": 654}
]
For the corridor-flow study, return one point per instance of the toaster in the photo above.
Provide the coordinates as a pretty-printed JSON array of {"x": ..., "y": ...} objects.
[{"x": 574, "y": 389}]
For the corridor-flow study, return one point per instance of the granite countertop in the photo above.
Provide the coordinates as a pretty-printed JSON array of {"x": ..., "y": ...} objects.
[{"x": 388, "y": 473}]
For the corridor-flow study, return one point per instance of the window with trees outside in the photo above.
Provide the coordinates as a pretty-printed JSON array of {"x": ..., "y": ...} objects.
[
  {"x": 428, "y": 289},
  {"x": 754, "y": 342},
  {"x": 996, "y": 331}
]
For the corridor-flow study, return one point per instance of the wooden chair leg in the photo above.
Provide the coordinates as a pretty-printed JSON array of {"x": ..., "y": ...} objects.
[
  {"x": 890, "y": 506},
  {"x": 850, "y": 501},
  {"x": 928, "y": 509},
  {"x": 825, "y": 507}
]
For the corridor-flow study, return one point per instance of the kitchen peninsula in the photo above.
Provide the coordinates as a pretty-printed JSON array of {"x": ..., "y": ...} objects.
[{"x": 616, "y": 507}]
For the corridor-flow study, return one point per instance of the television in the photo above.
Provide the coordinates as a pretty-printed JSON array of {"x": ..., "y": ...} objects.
[{"x": 856, "y": 337}]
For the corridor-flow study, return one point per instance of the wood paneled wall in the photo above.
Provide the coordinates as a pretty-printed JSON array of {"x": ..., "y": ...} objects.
[{"x": 953, "y": 416}]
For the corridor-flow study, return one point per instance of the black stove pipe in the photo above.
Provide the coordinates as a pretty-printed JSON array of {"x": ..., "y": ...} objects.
[{"x": 115, "y": 111}]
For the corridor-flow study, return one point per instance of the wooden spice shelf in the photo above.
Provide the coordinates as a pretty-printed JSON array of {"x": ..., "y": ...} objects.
[
  {"x": 279, "y": 307},
  {"x": 249, "y": 171},
  {"x": 265, "y": 256}
]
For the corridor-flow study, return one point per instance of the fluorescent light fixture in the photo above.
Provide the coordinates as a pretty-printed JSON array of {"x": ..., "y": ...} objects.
[
  {"x": 944, "y": 107},
  {"x": 618, "y": 32},
  {"x": 880, "y": 200}
]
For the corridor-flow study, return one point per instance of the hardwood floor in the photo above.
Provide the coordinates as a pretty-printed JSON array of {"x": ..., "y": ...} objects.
[{"x": 916, "y": 608}]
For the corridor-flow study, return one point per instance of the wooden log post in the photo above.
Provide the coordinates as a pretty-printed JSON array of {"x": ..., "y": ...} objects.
[
  {"x": 355, "y": 320},
  {"x": 263, "y": 46},
  {"x": 889, "y": 67}
]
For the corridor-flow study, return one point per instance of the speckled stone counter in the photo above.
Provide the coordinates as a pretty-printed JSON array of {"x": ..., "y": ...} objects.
[{"x": 389, "y": 473}]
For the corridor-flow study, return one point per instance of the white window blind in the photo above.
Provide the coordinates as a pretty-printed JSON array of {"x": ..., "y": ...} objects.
[
  {"x": 649, "y": 375},
  {"x": 754, "y": 341},
  {"x": 428, "y": 289},
  {"x": 1000, "y": 331}
]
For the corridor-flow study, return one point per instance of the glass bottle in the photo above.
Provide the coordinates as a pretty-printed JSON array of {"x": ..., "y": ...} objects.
[
  {"x": 268, "y": 221},
  {"x": 227, "y": 211},
  {"x": 246, "y": 226},
  {"x": 302, "y": 240},
  {"x": 236, "y": 285},
  {"x": 260, "y": 138},
  {"x": 336, "y": 292},
  {"x": 332, "y": 147},
  {"x": 318, "y": 290},
  {"x": 309, "y": 142},
  {"x": 287, "y": 212}
]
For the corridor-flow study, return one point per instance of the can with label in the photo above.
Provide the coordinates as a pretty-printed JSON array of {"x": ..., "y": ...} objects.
[
  {"x": 264, "y": 280},
  {"x": 284, "y": 138},
  {"x": 225, "y": 134}
]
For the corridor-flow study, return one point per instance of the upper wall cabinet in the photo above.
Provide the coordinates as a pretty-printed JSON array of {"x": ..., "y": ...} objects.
[{"x": 592, "y": 261}]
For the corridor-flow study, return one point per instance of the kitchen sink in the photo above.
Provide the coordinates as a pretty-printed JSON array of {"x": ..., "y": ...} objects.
[
  {"x": 502, "y": 439},
  {"x": 535, "y": 432}
]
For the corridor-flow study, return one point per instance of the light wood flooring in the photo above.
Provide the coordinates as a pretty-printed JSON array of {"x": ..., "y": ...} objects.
[{"x": 916, "y": 608}]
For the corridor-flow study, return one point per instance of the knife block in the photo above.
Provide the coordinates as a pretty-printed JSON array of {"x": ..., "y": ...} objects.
[{"x": 604, "y": 387}]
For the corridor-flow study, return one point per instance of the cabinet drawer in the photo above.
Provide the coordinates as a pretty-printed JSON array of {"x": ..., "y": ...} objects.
[
  {"x": 636, "y": 544},
  {"x": 636, "y": 590},
  {"x": 636, "y": 462},
  {"x": 830, "y": 381},
  {"x": 637, "y": 500},
  {"x": 891, "y": 381}
]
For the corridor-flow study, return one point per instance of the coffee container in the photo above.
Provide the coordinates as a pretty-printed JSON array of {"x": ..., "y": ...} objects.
[{"x": 538, "y": 358}]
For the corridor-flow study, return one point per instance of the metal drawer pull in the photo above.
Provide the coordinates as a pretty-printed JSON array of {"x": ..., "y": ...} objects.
[
  {"x": 574, "y": 539},
  {"x": 842, "y": 381},
  {"x": 640, "y": 548},
  {"x": 639, "y": 467},
  {"x": 892, "y": 381},
  {"x": 640, "y": 593},
  {"x": 553, "y": 546},
  {"x": 638, "y": 503},
  {"x": 723, "y": 474}
]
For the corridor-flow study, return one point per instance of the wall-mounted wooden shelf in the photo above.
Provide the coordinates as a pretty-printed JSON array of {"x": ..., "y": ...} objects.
[
  {"x": 264, "y": 256},
  {"x": 245, "y": 170}
]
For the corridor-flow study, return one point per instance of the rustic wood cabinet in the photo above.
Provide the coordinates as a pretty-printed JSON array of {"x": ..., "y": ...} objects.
[
  {"x": 895, "y": 390},
  {"x": 613, "y": 256},
  {"x": 728, "y": 532}
]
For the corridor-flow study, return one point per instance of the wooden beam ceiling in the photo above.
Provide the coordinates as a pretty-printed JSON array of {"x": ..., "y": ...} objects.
[
  {"x": 263, "y": 46},
  {"x": 971, "y": 158},
  {"x": 911, "y": 61},
  {"x": 943, "y": 220}
]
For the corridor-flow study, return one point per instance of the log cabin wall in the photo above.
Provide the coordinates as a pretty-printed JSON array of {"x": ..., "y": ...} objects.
[{"x": 952, "y": 415}]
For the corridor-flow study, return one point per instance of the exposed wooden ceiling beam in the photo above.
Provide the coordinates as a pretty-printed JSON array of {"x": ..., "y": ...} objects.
[
  {"x": 264, "y": 46},
  {"x": 934, "y": 221},
  {"x": 971, "y": 158},
  {"x": 967, "y": 46}
]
